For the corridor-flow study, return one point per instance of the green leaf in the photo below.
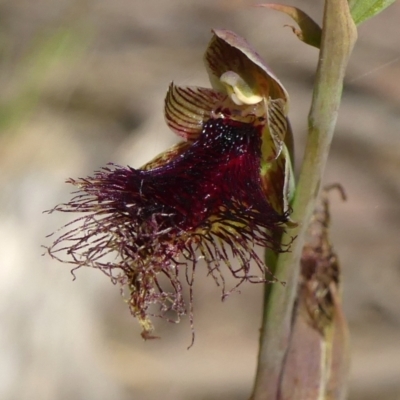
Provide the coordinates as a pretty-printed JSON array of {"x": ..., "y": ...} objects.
[{"x": 361, "y": 10}]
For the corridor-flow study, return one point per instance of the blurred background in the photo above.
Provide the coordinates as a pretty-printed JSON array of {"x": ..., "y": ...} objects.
[{"x": 82, "y": 84}]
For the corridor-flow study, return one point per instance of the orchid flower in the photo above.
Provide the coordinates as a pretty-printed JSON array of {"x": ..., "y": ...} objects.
[{"x": 213, "y": 197}]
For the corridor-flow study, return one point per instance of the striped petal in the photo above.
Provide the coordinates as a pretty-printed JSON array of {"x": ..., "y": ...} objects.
[
  {"x": 188, "y": 107},
  {"x": 277, "y": 181},
  {"x": 277, "y": 124}
]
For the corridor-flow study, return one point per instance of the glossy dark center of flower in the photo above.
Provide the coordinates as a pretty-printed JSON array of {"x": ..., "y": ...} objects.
[{"x": 221, "y": 167}]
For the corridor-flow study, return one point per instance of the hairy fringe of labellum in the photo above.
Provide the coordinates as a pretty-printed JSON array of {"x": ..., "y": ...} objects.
[{"x": 206, "y": 203}]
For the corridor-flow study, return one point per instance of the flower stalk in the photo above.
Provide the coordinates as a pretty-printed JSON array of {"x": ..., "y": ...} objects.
[{"x": 338, "y": 37}]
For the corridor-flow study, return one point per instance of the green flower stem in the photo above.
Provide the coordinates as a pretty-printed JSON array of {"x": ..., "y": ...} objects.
[{"x": 338, "y": 38}]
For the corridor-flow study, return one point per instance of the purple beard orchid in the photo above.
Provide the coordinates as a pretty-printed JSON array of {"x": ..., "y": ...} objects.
[{"x": 213, "y": 197}]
